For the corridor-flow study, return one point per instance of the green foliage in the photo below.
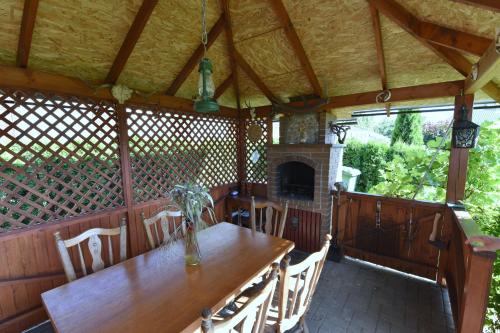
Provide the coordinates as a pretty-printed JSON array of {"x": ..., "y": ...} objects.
[
  {"x": 369, "y": 159},
  {"x": 408, "y": 128},
  {"x": 434, "y": 130}
]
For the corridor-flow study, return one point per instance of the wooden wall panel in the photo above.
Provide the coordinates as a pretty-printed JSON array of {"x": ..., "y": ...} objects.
[
  {"x": 30, "y": 265},
  {"x": 307, "y": 233}
]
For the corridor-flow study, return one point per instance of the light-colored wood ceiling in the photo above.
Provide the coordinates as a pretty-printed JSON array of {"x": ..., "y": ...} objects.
[{"x": 80, "y": 38}]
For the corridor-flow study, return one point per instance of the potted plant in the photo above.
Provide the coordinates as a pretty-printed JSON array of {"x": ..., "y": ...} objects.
[{"x": 192, "y": 199}]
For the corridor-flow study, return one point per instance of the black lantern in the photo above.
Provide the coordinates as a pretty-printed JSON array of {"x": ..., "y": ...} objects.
[{"x": 465, "y": 132}]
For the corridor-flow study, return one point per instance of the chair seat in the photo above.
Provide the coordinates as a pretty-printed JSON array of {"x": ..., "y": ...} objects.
[{"x": 45, "y": 327}]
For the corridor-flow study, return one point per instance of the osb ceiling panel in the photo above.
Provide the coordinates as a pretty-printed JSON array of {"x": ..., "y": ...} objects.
[
  {"x": 455, "y": 15},
  {"x": 80, "y": 38},
  {"x": 339, "y": 41},
  {"x": 11, "y": 13},
  {"x": 269, "y": 54},
  {"x": 168, "y": 40},
  {"x": 221, "y": 68},
  {"x": 249, "y": 91},
  {"x": 409, "y": 62},
  {"x": 251, "y": 18},
  {"x": 289, "y": 85}
]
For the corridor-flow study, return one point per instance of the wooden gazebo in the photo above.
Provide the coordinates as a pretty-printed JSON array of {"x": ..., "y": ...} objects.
[{"x": 72, "y": 157}]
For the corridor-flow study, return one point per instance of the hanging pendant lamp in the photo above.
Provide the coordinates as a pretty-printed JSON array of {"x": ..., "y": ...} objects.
[{"x": 206, "y": 88}]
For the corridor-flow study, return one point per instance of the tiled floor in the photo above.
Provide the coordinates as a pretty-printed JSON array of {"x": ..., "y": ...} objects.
[{"x": 355, "y": 296}]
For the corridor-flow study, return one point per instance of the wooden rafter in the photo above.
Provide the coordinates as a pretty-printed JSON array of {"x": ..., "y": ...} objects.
[
  {"x": 425, "y": 91},
  {"x": 294, "y": 40},
  {"x": 379, "y": 46},
  {"x": 196, "y": 57},
  {"x": 135, "y": 31},
  {"x": 487, "y": 4},
  {"x": 223, "y": 87},
  {"x": 26, "y": 33},
  {"x": 411, "y": 24},
  {"x": 21, "y": 78},
  {"x": 253, "y": 76},
  {"x": 231, "y": 50},
  {"x": 487, "y": 67}
]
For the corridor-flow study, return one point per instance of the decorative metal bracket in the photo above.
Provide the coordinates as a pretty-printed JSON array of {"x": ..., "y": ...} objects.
[{"x": 339, "y": 130}]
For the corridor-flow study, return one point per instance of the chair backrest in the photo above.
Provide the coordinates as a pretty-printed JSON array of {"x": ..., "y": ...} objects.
[
  {"x": 251, "y": 317},
  {"x": 95, "y": 248},
  {"x": 172, "y": 225},
  {"x": 272, "y": 217},
  {"x": 297, "y": 285}
]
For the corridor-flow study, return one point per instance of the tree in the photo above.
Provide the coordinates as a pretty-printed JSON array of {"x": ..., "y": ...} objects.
[
  {"x": 434, "y": 130},
  {"x": 408, "y": 128}
]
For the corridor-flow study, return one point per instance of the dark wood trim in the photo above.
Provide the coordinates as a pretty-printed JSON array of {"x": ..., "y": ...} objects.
[
  {"x": 253, "y": 76},
  {"x": 457, "y": 170},
  {"x": 31, "y": 279},
  {"x": 135, "y": 31},
  {"x": 294, "y": 40},
  {"x": 5, "y": 323},
  {"x": 196, "y": 57},
  {"x": 486, "y": 4},
  {"x": 26, "y": 33},
  {"x": 223, "y": 86},
  {"x": 13, "y": 77},
  {"x": 378, "y": 44}
]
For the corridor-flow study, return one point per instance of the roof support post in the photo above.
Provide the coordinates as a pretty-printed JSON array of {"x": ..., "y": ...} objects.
[{"x": 459, "y": 157}]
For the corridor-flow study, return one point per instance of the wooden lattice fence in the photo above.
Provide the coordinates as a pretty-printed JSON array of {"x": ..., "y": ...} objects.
[
  {"x": 58, "y": 158},
  {"x": 167, "y": 148},
  {"x": 256, "y": 172}
]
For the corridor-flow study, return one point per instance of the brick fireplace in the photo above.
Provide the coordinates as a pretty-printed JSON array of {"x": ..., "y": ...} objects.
[{"x": 303, "y": 170}]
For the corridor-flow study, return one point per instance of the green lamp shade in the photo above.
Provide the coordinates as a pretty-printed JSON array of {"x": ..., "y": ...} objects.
[
  {"x": 206, "y": 106},
  {"x": 206, "y": 89}
]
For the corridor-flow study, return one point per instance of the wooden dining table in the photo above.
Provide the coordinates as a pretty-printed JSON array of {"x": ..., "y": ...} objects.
[{"x": 157, "y": 292}]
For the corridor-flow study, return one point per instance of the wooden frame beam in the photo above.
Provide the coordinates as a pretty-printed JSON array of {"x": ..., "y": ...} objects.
[
  {"x": 135, "y": 31},
  {"x": 486, "y": 4},
  {"x": 487, "y": 67},
  {"x": 223, "y": 86},
  {"x": 14, "y": 77},
  {"x": 411, "y": 24},
  {"x": 431, "y": 32},
  {"x": 196, "y": 57},
  {"x": 26, "y": 33},
  {"x": 294, "y": 40},
  {"x": 231, "y": 50},
  {"x": 253, "y": 76},
  {"x": 425, "y": 91},
  {"x": 379, "y": 46}
]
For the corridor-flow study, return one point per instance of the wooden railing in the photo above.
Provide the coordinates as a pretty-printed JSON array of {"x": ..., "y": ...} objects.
[{"x": 466, "y": 273}]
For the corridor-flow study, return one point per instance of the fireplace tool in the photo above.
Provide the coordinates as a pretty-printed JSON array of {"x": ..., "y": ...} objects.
[{"x": 335, "y": 252}]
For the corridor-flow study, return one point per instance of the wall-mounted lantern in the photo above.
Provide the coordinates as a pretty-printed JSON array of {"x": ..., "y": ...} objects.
[{"x": 465, "y": 133}]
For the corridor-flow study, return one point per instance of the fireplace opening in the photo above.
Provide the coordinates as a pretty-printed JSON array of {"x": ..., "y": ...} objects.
[{"x": 296, "y": 181}]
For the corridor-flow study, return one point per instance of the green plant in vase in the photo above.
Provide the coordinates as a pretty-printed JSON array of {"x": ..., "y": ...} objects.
[{"x": 191, "y": 200}]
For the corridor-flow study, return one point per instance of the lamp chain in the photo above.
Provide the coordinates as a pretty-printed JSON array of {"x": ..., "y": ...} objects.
[{"x": 204, "y": 38}]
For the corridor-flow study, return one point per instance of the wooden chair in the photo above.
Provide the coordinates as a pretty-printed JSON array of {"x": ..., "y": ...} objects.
[
  {"x": 274, "y": 214},
  {"x": 95, "y": 248},
  {"x": 172, "y": 225},
  {"x": 297, "y": 286},
  {"x": 251, "y": 316}
]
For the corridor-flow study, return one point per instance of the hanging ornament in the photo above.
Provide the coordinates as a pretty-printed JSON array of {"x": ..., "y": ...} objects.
[
  {"x": 121, "y": 93},
  {"x": 206, "y": 88},
  {"x": 254, "y": 130},
  {"x": 255, "y": 156}
]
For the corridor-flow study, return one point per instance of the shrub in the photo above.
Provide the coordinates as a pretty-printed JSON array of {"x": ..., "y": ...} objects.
[{"x": 408, "y": 128}]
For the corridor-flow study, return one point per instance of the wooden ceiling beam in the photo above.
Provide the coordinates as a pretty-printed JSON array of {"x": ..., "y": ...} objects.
[
  {"x": 133, "y": 35},
  {"x": 223, "y": 86},
  {"x": 425, "y": 91},
  {"x": 486, "y": 4},
  {"x": 231, "y": 50},
  {"x": 196, "y": 57},
  {"x": 411, "y": 24},
  {"x": 431, "y": 32},
  {"x": 487, "y": 67},
  {"x": 14, "y": 77},
  {"x": 253, "y": 76},
  {"x": 26, "y": 32},
  {"x": 379, "y": 46},
  {"x": 294, "y": 40}
]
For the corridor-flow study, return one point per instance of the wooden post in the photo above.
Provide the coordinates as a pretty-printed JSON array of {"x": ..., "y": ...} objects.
[
  {"x": 128, "y": 195},
  {"x": 476, "y": 290},
  {"x": 241, "y": 149},
  {"x": 457, "y": 170}
]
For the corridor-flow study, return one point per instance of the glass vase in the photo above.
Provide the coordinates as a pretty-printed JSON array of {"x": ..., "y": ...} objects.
[{"x": 192, "y": 254}]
